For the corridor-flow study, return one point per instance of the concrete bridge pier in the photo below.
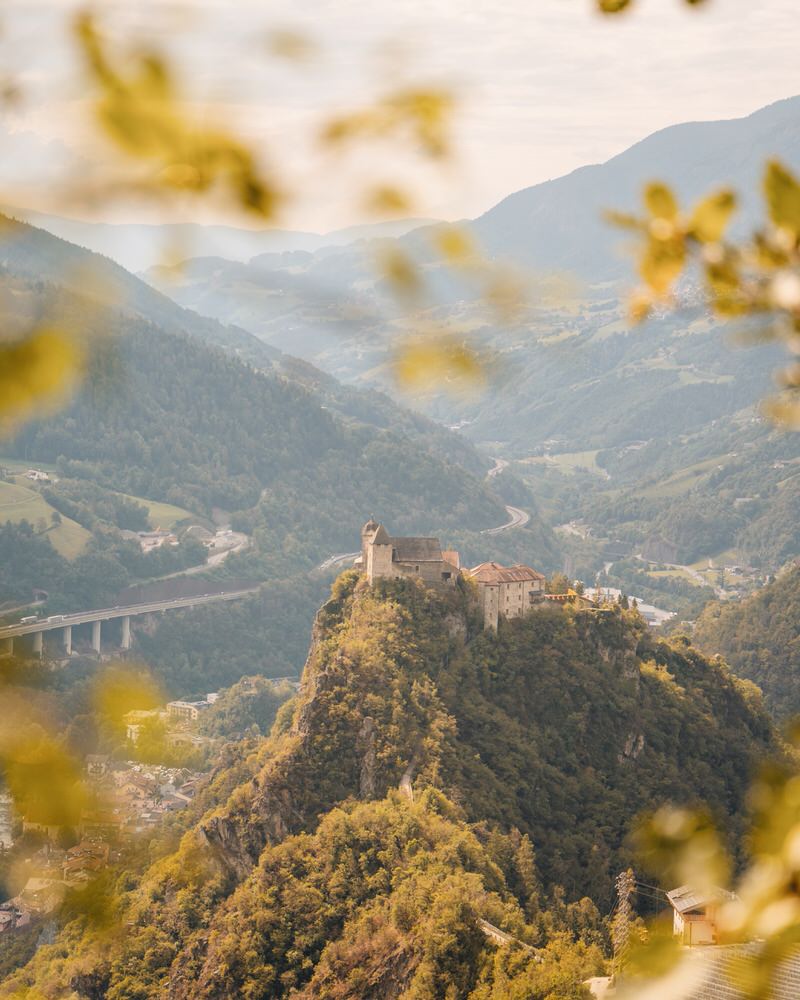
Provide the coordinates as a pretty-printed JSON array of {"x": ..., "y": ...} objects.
[
  {"x": 96, "y": 636},
  {"x": 38, "y": 643},
  {"x": 126, "y": 632},
  {"x": 7, "y": 646},
  {"x": 68, "y": 640}
]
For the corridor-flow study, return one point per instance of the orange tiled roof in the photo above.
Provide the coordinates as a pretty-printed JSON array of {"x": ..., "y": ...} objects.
[{"x": 492, "y": 572}]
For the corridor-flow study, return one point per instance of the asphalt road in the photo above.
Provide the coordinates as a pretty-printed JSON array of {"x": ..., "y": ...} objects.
[
  {"x": 518, "y": 519},
  {"x": 105, "y": 614}
]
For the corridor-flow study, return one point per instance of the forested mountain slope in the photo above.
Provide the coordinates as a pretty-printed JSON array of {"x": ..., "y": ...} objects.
[
  {"x": 760, "y": 638},
  {"x": 292, "y": 458},
  {"x": 528, "y": 756},
  {"x": 166, "y": 417}
]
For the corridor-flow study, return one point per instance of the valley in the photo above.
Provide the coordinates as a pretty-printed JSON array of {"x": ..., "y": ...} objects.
[{"x": 404, "y": 609}]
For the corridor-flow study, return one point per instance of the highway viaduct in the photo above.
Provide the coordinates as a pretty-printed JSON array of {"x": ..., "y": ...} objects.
[{"x": 96, "y": 617}]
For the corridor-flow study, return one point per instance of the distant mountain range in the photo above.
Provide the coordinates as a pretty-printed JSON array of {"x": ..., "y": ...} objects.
[
  {"x": 138, "y": 247},
  {"x": 572, "y": 375}
]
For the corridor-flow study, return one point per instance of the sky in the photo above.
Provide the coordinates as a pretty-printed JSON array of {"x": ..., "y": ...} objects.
[{"x": 541, "y": 88}]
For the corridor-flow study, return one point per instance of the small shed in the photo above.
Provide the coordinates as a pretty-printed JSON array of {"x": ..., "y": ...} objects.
[{"x": 694, "y": 919}]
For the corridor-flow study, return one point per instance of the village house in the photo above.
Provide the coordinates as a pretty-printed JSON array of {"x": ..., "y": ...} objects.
[
  {"x": 151, "y": 540},
  {"x": 188, "y": 710},
  {"x": 509, "y": 591},
  {"x": 383, "y": 556},
  {"x": 694, "y": 914}
]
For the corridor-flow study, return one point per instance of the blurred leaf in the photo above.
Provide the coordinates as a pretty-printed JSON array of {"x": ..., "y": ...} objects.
[
  {"x": 438, "y": 361},
  {"x": 399, "y": 270},
  {"x": 291, "y": 45},
  {"x": 425, "y": 113},
  {"x": 623, "y": 219},
  {"x": 387, "y": 199},
  {"x": 43, "y": 779},
  {"x": 455, "y": 244},
  {"x": 661, "y": 264},
  {"x": 639, "y": 307},
  {"x": 37, "y": 373},
  {"x": 682, "y": 847},
  {"x": 654, "y": 953},
  {"x": 660, "y": 201},
  {"x": 140, "y": 111},
  {"x": 612, "y": 6},
  {"x": 785, "y": 412},
  {"x": 711, "y": 216},
  {"x": 120, "y": 690},
  {"x": 782, "y": 192}
]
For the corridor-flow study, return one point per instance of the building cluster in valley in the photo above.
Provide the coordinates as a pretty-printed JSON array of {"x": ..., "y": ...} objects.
[
  {"x": 125, "y": 800},
  {"x": 175, "y": 717}
]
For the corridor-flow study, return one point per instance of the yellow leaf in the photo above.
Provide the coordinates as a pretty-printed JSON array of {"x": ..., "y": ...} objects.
[
  {"x": 454, "y": 243},
  {"x": 44, "y": 781},
  {"x": 712, "y": 215},
  {"x": 785, "y": 412},
  {"x": 623, "y": 219},
  {"x": 661, "y": 264},
  {"x": 399, "y": 269},
  {"x": 612, "y": 6},
  {"x": 639, "y": 307},
  {"x": 121, "y": 690},
  {"x": 438, "y": 361},
  {"x": 37, "y": 373},
  {"x": 782, "y": 192},
  {"x": 387, "y": 199},
  {"x": 660, "y": 201}
]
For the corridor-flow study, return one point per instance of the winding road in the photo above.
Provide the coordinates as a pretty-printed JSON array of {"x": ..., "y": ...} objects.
[
  {"x": 339, "y": 560},
  {"x": 519, "y": 518}
]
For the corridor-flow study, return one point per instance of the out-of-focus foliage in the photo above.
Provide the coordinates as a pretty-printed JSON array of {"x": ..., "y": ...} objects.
[
  {"x": 756, "y": 280},
  {"x": 421, "y": 115},
  {"x": 433, "y": 361},
  {"x": 621, "y": 6},
  {"x": 139, "y": 109},
  {"x": 36, "y": 374},
  {"x": 764, "y": 909}
]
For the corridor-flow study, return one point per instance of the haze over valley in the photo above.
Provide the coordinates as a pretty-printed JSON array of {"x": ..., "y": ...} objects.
[{"x": 400, "y": 601}]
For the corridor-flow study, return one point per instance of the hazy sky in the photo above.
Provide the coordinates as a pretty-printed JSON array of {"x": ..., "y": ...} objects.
[{"x": 544, "y": 86}]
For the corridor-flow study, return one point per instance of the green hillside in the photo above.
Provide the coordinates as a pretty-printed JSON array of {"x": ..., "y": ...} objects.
[
  {"x": 429, "y": 778},
  {"x": 760, "y": 638}
]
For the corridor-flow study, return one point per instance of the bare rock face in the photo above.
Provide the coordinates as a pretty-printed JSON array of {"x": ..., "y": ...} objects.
[
  {"x": 634, "y": 744},
  {"x": 456, "y": 625},
  {"x": 366, "y": 750}
]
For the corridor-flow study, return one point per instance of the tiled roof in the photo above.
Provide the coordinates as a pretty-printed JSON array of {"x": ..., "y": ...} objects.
[
  {"x": 417, "y": 549},
  {"x": 452, "y": 557},
  {"x": 492, "y": 572}
]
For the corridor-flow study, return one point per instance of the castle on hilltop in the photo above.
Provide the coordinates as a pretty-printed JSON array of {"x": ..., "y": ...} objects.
[
  {"x": 509, "y": 591},
  {"x": 384, "y": 556}
]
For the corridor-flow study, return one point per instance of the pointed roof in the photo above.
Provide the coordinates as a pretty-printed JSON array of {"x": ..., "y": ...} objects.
[{"x": 381, "y": 536}]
